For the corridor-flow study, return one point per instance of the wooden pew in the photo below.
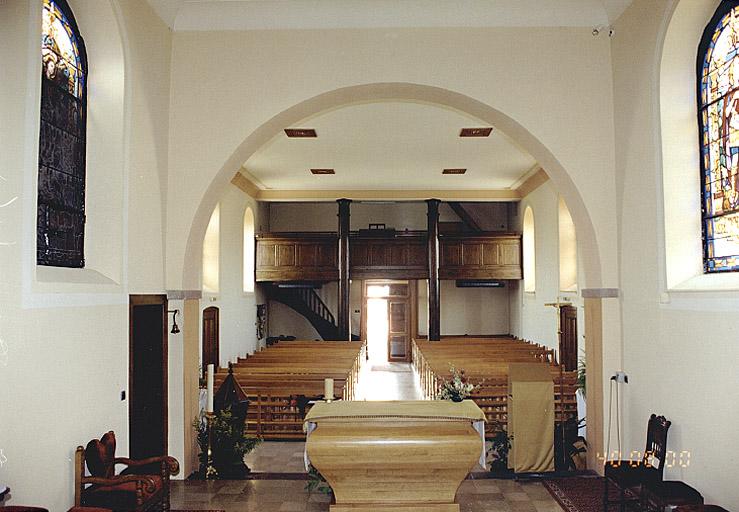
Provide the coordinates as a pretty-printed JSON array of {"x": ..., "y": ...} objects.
[
  {"x": 485, "y": 362},
  {"x": 280, "y": 381}
]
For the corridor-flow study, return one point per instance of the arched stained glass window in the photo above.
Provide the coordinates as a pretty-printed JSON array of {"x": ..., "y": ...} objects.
[
  {"x": 718, "y": 108},
  {"x": 60, "y": 226}
]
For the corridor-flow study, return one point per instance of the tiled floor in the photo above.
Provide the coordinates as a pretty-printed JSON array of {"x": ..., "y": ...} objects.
[
  {"x": 277, "y": 457},
  {"x": 290, "y": 495},
  {"x": 391, "y": 381}
]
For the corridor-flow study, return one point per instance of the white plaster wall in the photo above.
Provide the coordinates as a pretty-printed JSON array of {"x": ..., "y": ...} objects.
[
  {"x": 283, "y": 320},
  {"x": 322, "y": 216},
  {"x": 238, "y": 310},
  {"x": 466, "y": 310},
  {"x": 680, "y": 349},
  {"x": 64, "y": 349}
]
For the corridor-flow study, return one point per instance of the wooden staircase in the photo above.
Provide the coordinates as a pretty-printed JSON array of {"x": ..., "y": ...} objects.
[{"x": 307, "y": 302}]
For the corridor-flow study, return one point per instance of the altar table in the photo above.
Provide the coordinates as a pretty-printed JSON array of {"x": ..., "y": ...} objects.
[{"x": 401, "y": 456}]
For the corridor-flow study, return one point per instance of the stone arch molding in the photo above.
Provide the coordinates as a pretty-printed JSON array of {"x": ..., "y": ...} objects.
[{"x": 393, "y": 92}]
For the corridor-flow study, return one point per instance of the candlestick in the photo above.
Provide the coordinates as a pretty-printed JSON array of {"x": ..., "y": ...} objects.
[
  {"x": 209, "y": 405},
  {"x": 328, "y": 389}
]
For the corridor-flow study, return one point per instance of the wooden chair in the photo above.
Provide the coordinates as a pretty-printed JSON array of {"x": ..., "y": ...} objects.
[
  {"x": 629, "y": 474},
  {"x": 126, "y": 491}
]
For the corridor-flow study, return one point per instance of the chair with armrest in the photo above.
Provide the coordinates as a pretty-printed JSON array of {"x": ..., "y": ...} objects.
[
  {"x": 126, "y": 491},
  {"x": 630, "y": 474}
]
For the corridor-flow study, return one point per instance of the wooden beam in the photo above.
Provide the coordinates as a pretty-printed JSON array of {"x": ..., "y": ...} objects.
[
  {"x": 343, "y": 318},
  {"x": 463, "y": 214},
  {"x": 434, "y": 296}
]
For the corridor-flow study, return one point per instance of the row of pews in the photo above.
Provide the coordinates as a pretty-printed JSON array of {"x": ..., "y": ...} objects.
[
  {"x": 485, "y": 362},
  {"x": 281, "y": 381}
]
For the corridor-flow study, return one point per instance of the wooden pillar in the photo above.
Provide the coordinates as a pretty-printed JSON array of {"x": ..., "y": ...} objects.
[
  {"x": 344, "y": 322},
  {"x": 434, "y": 296}
]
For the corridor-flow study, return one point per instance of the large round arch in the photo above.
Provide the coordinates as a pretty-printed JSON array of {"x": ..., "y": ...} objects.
[
  {"x": 375, "y": 92},
  {"x": 393, "y": 92}
]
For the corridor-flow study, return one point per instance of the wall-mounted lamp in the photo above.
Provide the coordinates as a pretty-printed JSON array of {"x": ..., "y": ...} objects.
[{"x": 175, "y": 327}]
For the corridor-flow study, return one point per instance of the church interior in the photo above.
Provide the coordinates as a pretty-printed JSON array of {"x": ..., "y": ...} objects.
[{"x": 332, "y": 224}]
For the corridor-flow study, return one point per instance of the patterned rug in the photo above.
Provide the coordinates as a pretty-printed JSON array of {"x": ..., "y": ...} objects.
[{"x": 581, "y": 494}]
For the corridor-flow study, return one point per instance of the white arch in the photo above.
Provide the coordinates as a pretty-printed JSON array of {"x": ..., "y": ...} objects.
[{"x": 386, "y": 92}]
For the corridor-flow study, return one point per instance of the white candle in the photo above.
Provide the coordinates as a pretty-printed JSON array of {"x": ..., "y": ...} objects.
[
  {"x": 328, "y": 389},
  {"x": 209, "y": 406}
]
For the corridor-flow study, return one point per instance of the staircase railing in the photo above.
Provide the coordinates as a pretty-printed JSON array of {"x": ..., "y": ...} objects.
[{"x": 315, "y": 304}]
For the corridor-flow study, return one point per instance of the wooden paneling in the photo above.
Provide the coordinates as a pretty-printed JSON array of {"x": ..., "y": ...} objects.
[
  {"x": 314, "y": 257},
  {"x": 402, "y": 257},
  {"x": 297, "y": 257},
  {"x": 489, "y": 256}
]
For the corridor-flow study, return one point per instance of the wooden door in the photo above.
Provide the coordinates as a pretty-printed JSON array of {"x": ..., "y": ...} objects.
[
  {"x": 398, "y": 339},
  {"x": 210, "y": 337},
  {"x": 401, "y": 314},
  {"x": 147, "y": 401},
  {"x": 568, "y": 337}
]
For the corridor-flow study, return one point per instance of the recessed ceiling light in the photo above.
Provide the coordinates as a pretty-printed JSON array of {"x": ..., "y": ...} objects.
[
  {"x": 322, "y": 171},
  {"x": 475, "y": 132},
  {"x": 454, "y": 171},
  {"x": 304, "y": 133}
]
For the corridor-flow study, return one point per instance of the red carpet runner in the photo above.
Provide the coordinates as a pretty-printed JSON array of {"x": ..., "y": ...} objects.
[{"x": 580, "y": 494}]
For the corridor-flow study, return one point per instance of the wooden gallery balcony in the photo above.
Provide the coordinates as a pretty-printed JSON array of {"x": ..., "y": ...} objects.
[{"x": 313, "y": 257}]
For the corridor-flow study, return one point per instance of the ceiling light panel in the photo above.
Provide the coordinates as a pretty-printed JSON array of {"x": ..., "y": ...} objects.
[
  {"x": 301, "y": 133},
  {"x": 476, "y": 132}
]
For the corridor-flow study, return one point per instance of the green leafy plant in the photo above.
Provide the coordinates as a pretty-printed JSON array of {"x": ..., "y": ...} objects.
[
  {"x": 316, "y": 482},
  {"x": 458, "y": 387},
  {"x": 500, "y": 446},
  {"x": 229, "y": 444}
]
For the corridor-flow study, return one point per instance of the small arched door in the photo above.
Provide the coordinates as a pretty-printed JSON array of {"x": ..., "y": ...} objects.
[{"x": 210, "y": 337}]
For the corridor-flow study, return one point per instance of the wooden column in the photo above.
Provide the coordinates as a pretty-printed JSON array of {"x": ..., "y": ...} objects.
[
  {"x": 434, "y": 325},
  {"x": 343, "y": 319}
]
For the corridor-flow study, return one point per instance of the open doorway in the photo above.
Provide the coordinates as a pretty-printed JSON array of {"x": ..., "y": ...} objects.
[{"x": 389, "y": 319}]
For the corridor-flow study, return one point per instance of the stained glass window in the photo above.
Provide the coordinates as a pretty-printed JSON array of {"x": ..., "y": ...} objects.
[{"x": 60, "y": 226}]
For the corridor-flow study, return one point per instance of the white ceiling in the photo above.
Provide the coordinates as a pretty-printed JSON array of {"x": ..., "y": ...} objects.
[
  {"x": 315, "y": 14},
  {"x": 389, "y": 145}
]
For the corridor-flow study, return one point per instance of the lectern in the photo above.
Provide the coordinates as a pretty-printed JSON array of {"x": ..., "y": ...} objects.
[{"x": 402, "y": 456}]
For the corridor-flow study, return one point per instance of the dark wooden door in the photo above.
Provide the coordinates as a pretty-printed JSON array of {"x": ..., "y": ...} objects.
[
  {"x": 147, "y": 405},
  {"x": 210, "y": 337},
  {"x": 568, "y": 337}
]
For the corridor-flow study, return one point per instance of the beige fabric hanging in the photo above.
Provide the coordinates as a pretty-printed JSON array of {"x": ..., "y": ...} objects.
[{"x": 531, "y": 418}]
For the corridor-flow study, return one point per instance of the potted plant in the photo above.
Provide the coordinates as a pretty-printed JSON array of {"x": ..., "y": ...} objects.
[
  {"x": 229, "y": 444},
  {"x": 457, "y": 388},
  {"x": 317, "y": 483},
  {"x": 500, "y": 446}
]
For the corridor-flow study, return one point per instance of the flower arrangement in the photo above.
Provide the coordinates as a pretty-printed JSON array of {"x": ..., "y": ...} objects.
[{"x": 457, "y": 388}]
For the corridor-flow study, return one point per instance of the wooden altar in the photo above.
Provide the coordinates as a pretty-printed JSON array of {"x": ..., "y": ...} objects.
[{"x": 403, "y": 456}]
